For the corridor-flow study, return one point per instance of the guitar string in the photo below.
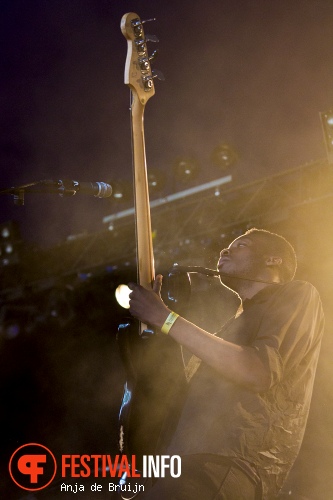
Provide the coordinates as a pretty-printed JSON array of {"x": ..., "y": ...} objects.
[{"x": 131, "y": 97}]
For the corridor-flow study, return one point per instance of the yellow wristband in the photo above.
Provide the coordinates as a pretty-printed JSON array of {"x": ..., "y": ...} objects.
[{"x": 168, "y": 323}]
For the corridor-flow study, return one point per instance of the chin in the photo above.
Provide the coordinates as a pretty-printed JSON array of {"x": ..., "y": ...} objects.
[{"x": 229, "y": 282}]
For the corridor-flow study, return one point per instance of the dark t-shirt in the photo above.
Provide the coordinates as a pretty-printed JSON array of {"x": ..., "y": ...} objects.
[{"x": 284, "y": 324}]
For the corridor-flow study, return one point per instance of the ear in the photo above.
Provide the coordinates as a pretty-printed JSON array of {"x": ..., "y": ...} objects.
[{"x": 273, "y": 261}]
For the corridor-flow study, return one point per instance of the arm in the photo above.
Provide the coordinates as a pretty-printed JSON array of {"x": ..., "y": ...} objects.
[{"x": 238, "y": 364}]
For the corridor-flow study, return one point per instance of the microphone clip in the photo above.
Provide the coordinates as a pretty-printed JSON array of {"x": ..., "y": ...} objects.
[{"x": 67, "y": 187}]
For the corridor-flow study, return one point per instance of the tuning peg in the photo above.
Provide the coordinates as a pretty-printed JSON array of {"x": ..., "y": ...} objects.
[
  {"x": 144, "y": 61},
  {"x": 156, "y": 73},
  {"x": 151, "y": 38},
  {"x": 148, "y": 80},
  {"x": 148, "y": 20},
  {"x": 153, "y": 56},
  {"x": 138, "y": 30}
]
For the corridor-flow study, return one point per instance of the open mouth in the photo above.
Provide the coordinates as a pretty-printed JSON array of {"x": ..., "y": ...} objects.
[{"x": 222, "y": 260}]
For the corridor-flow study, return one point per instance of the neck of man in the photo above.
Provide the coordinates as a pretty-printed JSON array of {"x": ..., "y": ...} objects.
[{"x": 246, "y": 289}]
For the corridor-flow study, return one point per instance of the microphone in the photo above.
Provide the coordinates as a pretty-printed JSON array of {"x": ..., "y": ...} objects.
[
  {"x": 97, "y": 189},
  {"x": 68, "y": 187},
  {"x": 62, "y": 188}
]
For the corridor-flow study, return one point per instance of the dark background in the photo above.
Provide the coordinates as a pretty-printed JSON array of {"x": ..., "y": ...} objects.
[{"x": 254, "y": 75}]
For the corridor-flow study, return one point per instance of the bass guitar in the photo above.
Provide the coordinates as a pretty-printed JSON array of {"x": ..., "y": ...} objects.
[{"x": 153, "y": 363}]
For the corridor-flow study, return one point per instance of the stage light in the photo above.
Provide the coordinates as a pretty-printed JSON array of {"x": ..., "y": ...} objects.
[
  {"x": 122, "y": 296},
  {"x": 122, "y": 191},
  {"x": 223, "y": 156},
  {"x": 10, "y": 230},
  {"x": 5, "y": 232},
  {"x": 156, "y": 180},
  {"x": 10, "y": 243},
  {"x": 8, "y": 248},
  {"x": 16, "y": 319},
  {"x": 186, "y": 169}
]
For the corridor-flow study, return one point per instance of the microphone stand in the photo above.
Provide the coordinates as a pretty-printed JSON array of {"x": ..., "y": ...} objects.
[{"x": 63, "y": 188}]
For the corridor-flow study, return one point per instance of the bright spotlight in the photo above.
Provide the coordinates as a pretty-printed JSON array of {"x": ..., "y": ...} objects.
[
  {"x": 186, "y": 169},
  {"x": 5, "y": 233},
  {"x": 122, "y": 296},
  {"x": 156, "y": 180},
  {"x": 9, "y": 248},
  {"x": 224, "y": 156},
  {"x": 122, "y": 191}
]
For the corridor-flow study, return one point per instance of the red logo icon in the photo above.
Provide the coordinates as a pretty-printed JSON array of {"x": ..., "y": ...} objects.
[{"x": 32, "y": 467}]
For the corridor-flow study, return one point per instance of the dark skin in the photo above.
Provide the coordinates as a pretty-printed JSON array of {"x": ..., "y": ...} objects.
[{"x": 239, "y": 364}]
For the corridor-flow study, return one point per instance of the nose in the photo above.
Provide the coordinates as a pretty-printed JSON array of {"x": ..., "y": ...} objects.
[{"x": 225, "y": 251}]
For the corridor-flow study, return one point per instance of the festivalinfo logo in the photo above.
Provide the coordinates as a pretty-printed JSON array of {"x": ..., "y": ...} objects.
[{"x": 33, "y": 467}]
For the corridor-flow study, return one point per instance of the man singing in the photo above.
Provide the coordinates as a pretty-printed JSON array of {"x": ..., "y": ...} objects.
[{"x": 250, "y": 385}]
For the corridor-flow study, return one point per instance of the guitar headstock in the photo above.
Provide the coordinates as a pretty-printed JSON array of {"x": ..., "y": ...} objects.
[{"x": 138, "y": 74}]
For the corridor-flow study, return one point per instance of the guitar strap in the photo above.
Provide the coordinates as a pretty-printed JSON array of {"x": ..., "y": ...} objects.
[{"x": 191, "y": 367}]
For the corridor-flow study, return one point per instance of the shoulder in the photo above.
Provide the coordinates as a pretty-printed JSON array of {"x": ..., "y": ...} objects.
[
  {"x": 299, "y": 296},
  {"x": 292, "y": 289},
  {"x": 301, "y": 288}
]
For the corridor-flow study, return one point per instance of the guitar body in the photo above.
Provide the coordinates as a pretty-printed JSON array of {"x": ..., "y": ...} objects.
[
  {"x": 153, "y": 394},
  {"x": 155, "y": 377}
]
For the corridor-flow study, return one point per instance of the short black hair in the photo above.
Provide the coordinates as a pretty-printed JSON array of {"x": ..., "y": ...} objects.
[{"x": 278, "y": 245}]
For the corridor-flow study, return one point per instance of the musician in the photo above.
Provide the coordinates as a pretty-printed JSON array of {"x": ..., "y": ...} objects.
[{"x": 250, "y": 384}]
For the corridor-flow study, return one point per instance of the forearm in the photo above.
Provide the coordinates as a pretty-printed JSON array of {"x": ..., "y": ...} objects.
[{"x": 238, "y": 364}]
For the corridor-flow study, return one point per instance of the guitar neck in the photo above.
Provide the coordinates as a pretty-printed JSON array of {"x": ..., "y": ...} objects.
[{"x": 145, "y": 256}]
